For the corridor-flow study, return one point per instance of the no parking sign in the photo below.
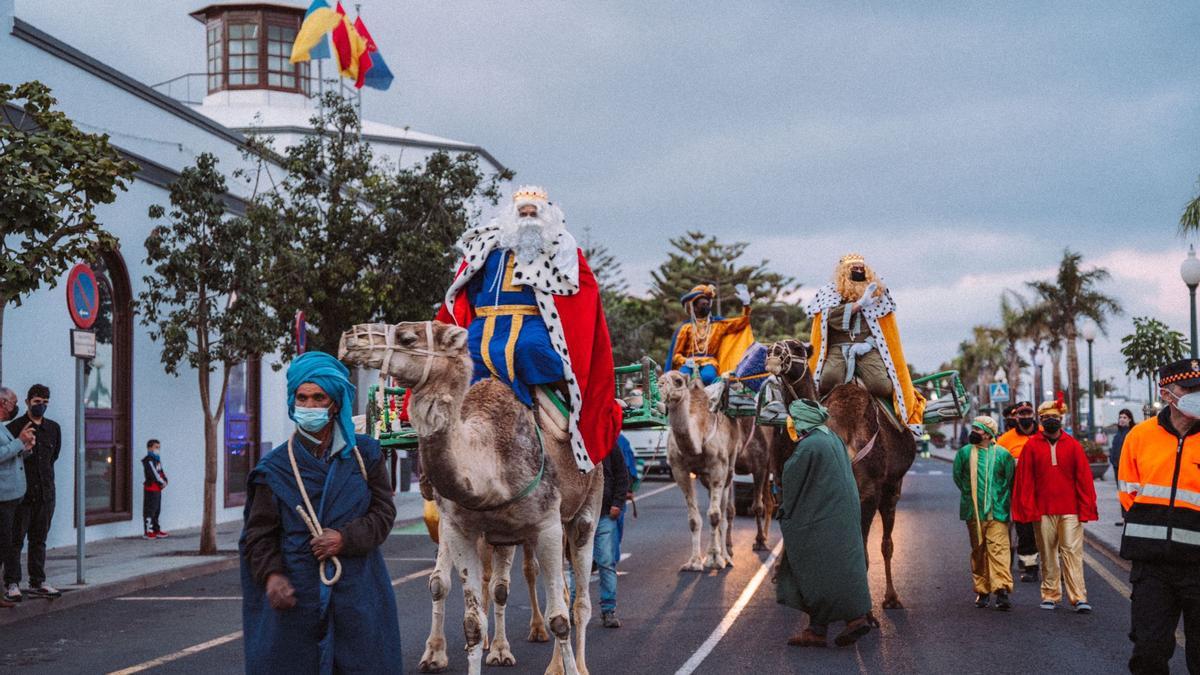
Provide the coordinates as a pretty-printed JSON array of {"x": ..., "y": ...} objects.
[{"x": 83, "y": 296}]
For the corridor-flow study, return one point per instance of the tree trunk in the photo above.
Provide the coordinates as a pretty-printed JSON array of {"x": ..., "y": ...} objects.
[
  {"x": 208, "y": 524},
  {"x": 1056, "y": 364},
  {"x": 1014, "y": 374},
  {"x": 3, "y": 305},
  {"x": 1073, "y": 380}
]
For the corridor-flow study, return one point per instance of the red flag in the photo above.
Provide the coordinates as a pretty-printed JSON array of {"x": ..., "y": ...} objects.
[
  {"x": 364, "y": 61},
  {"x": 351, "y": 48}
]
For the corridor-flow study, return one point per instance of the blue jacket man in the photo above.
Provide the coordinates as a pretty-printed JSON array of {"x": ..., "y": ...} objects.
[{"x": 12, "y": 486}]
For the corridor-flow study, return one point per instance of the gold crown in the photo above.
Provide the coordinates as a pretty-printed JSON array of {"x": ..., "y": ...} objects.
[
  {"x": 531, "y": 193},
  {"x": 852, "y": 259}
]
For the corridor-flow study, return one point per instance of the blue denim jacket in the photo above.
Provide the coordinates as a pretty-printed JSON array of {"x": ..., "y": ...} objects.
[{"x": 12, "y": 466}]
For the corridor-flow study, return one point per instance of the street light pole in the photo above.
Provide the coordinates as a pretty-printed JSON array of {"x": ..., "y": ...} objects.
[
  {"x": 1189, "y": 270},
  {"x": 1091, "y": 393}
]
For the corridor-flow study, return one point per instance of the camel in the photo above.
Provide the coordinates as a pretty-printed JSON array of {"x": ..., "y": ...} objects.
[
  {"x": 881, "y": 450},
  {"x": 754, "y": 459},
  {"x": 705, "y": 443},
  {"x": 500, "y": 475}
]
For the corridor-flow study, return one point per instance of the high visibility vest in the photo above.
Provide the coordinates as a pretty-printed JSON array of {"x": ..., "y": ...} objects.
[{"x": 1159, "y": 486}]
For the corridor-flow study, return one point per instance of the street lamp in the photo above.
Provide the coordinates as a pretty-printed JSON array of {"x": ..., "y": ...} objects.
[
  {"x": 1089, "y": 334},
  {"x": 1039, "y": 361},
  {"x": 1189, "y": 269}
]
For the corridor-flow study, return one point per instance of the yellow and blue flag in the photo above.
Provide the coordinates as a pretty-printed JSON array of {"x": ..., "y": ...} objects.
[{"x": 311, "y": 42}]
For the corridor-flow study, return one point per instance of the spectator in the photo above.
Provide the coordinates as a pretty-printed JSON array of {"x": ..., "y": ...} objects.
[
  {"x": 1124, "y": 424},
  {"x": 37, "y": 508},
  {"x": 12, "y": 485},
  {"x": 153, "y": 482},
  {"x": 606, "y": 547}
]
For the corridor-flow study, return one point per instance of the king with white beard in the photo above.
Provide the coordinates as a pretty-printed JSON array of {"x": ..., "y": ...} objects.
[{"x": 532, "y": 310}]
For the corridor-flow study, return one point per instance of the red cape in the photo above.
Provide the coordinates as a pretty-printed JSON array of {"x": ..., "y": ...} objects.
[{"x": 590, "y": 349}]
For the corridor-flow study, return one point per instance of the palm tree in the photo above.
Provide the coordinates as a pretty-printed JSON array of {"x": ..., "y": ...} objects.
[
  {"x": 1072, "y": 297},
  {"x": 1189, "y": 220},
  {"x": 1011, "y": 332},
  {"x": 978, "y": 358},
  {"x": 1037, "y": 330}
]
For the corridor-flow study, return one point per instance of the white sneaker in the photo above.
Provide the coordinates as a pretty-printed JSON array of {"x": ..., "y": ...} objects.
[{"x": 12, "y": 593}]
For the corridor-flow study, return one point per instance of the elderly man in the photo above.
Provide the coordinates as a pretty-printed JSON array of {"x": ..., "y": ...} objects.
[
  {"x": 706, "y": 345},
  {"x": 823, "y": 571},
  {"x": 1054, "y": 491},
  {"x": 1158, "y": 484},
  {"x": 316, "y": 595},
  {"x": 854, "y": 335},
  {"x": 13, "y": 451},
  {"x": 531, "y": 306},
  {"x": 983, "y": 472}
]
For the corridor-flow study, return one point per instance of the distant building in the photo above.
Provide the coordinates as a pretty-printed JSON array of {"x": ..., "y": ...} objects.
[{"x": 248, "y": 82}]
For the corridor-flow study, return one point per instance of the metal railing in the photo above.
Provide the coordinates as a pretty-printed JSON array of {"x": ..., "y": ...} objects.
[{"x": 191, "y": 88}]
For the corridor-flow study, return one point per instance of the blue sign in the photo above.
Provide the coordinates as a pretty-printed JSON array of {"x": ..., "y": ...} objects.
[
  {"x": 83, "y": 296},
  {"x": 998, "y": 392}
]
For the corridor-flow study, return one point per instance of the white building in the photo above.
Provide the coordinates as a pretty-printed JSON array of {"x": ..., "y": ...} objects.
[{"x": 130, "y": 398}]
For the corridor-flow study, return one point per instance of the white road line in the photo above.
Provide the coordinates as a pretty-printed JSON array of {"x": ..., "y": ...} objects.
[
  {"x": 224, "y": 639},
  {"x": 188, "y": 651},
  {"x": 654, "y": 491},
  {"x": 1118, "y": 585},
  {"x": 180, "y": 598},
  {"x": 731, "y": 616}
]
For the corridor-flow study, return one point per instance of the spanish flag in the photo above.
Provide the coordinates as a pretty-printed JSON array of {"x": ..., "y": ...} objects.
[
  {"x": 310, "y": 41},
  {"x": 350, "y": 47}
]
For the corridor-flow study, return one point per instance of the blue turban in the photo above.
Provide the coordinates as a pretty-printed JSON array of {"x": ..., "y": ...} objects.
[{"x": 330, "y": 375}]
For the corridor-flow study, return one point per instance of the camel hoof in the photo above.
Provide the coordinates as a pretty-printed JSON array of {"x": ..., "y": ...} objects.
[
  {"x": 500, "y": 655},
  {"x": 872, "y": 621},
  {"x": 434, "y": 663},
  {"x": 892, "y": 603},
  {"x": 715, "y": 562},
  {"x": 692, "y": 565},
  {"x": 538, "y": 633},
  {"x": 759, "y": 546}
]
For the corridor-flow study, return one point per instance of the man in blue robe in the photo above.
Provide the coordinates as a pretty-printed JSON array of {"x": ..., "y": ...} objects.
[{"x": 316, "y": 595}]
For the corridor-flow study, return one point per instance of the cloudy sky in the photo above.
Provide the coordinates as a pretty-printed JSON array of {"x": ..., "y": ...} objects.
[{"x": 960, "y": 146}]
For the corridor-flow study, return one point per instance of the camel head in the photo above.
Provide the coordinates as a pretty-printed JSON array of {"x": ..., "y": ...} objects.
[
  {"x": 789, "y": 361},
  {"x": 674, "y": 386},
  {"x": 410, "y": 352}
]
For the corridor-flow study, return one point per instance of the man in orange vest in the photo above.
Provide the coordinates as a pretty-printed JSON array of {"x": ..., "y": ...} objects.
[
  {"x": 1023, "y": 427},
  {"x": 1159, "y": 485},
  {"x": 1054, "y": 491}
]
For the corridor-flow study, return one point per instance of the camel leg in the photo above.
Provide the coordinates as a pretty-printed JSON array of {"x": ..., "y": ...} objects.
[
  {"x": 537, "y": 624},
  {"x": 485, "y": 557},
  {"x": 716, "y": 519},
  {"x": 686, "y": 485},
  {"x": 581, "y": 550},
  {"x": 730, "y": 512},
  {"x": 887, "y": 513},
  {"x": 500, "y": 653},
  {"x": 868, "y": 505},
  {"x": 435, "y": 659},
  {"x": 550, "y": 560},
  {"x": 762, "y": 519},
  {"x": 465, "y": 554}
]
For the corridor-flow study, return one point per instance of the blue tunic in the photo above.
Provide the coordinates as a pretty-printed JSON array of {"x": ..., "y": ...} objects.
[
  {"x": 349, "y": 627},
  {"x": 508, "y": 339}
]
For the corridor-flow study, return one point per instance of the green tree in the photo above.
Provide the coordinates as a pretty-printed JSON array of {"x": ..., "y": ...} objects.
[
  {"x": 633, "y": 322},
  {"x": 54, "y": 176},
  {"x": 1011, "y": 332},
  {"x": 1151, "y": 345},
  {"x": 1189, "y": 220},
  {"x": 1072, "y": 297},
  {"x": 205, "y": 300},
  {"x": 355, "y": 241}
]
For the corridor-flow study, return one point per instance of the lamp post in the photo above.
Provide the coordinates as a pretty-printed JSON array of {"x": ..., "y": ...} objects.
[
  {"x": 1189, "y": 269},
  {"x": 1089, "y": 334},
  {"x": 1038, "y": 361}
]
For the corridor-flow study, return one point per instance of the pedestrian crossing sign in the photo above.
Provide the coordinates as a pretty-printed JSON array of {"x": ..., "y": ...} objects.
[{"x": 998, "y": 392}]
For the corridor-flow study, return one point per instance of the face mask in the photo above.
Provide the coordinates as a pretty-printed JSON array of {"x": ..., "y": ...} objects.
[
  {"x": 311, "y": 420},
  {"x": 975, "y": 438},
  {"x": 1026, "y": 426},
  {"x": 1052, "y": 425},
  {"x": 37, "y": 411},
  {"x": 857, "y": 275},
  {"x": 1189, "y": 405}
]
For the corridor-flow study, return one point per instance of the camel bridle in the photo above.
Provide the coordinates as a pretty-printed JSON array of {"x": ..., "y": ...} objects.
[
  {"x": 391, "y": 349},
  {"x": 780, "y": 359}
]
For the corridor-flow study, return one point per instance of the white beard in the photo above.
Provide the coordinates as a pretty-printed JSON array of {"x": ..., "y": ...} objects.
[{"x": 528, "y": 238}]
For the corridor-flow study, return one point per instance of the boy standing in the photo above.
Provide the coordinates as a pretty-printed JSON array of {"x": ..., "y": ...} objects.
[{"x": 154, "y": 482}]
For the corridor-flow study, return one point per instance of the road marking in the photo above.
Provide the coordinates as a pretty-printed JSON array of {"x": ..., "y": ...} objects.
[
  {"x": 1119, "y": 586},
  {"x": 654, "y": 491},
  {"x": 727, "y": 622},
  {"x": 187, "y": 651},
  {"x": 217, "y": 642},
  {"x": 180, "y": 598}
]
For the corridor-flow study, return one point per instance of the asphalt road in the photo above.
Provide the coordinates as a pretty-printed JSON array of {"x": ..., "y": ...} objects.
[{"x": 672, "y": 620}]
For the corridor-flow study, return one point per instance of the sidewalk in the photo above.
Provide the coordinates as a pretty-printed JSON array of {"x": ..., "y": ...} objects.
[
  {"x": 1102, "y": 532},
  {"x": 123, "y": 565}
]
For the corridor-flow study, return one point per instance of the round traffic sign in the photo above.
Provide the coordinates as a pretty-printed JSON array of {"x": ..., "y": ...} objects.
[{"x": 83, "y": 296}]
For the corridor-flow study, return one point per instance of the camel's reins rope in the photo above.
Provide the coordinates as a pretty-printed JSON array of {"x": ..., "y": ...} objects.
[
  {"x": 309, "y": 515},
  {"x": 390, "y": 348}
]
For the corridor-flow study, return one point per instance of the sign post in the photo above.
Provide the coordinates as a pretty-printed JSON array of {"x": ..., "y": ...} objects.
[
  {"x": 83, "y": 303},
  {"x": 301, "y": 333},
  {"x": 998, "y": 392}
]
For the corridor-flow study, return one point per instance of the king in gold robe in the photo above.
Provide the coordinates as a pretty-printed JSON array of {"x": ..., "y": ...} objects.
[{"x": 706, "y": 345}]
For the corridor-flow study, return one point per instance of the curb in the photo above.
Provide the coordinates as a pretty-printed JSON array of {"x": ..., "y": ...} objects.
[
  {"x": 88, "y": 594},
  {"x": 1105, "y": 548}
]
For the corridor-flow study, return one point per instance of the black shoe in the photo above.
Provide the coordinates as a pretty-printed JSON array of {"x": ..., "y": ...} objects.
[
  {"x": 1002, "y": 602},
  {"x": 981, "y": 601},
  {"x": 609, "y": 620}
]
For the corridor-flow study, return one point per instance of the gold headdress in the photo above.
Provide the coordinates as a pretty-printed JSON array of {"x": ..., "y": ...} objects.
[{"x": 531, "y": 193}]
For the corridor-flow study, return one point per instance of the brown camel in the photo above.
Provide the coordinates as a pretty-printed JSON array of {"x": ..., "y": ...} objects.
[
  {"x": 499, "y": 478},
  {"x": 754, "y": 459},
  {"x": 881, "y": 451}
]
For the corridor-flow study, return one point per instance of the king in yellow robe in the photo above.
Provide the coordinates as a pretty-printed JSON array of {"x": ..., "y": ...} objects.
[{"x": 709, "y": 346}]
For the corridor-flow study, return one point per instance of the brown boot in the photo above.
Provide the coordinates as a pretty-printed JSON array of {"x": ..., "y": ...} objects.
[
  {"x": 808, "y": 638},
  {"x": 853, "y": 631}
]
